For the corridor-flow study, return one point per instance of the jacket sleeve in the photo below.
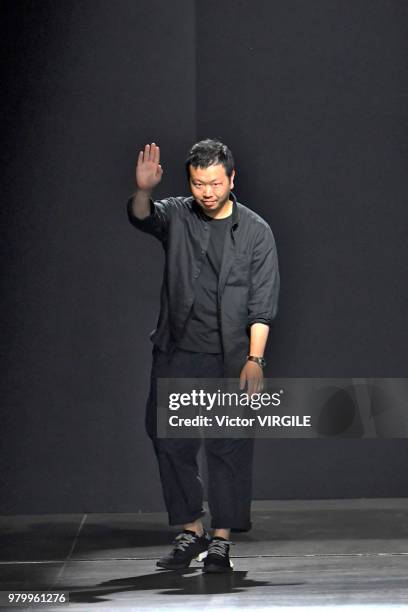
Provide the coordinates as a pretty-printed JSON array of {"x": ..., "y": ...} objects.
[
  {"x": 264, "y": 280},
  {"x": 156, "y": 222}
]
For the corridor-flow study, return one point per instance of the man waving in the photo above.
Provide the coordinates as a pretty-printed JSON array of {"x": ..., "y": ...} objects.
[{"x": 218, "y": 298}]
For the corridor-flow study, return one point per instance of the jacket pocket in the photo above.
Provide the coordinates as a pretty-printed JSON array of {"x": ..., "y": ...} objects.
[{"x": 239, "y": 271}]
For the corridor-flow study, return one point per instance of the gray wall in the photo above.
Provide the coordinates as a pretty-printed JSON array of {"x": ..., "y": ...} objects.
[{"x": 311, "y": 97}]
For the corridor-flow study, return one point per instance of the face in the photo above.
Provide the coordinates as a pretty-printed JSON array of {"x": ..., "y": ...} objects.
[{"x": 211, "y": 187}]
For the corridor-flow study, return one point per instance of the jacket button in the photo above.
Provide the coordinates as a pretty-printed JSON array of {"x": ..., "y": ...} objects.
[{"x": 195, "y": 274}]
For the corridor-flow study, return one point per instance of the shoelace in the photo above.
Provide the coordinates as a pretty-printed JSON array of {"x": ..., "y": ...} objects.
[
  {"x": 219, "y": 547},
  {"x": 183, "y": 540}
]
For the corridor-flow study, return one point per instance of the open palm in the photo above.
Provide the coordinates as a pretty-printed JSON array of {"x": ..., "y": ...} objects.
[{"x": 148, "y": 170}]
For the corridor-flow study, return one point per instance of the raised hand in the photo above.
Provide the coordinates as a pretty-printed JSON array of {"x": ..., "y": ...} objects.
[{"x": 148, "y": 170}]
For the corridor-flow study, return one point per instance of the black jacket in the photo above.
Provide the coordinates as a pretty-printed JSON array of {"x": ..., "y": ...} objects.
[{"x": 248, "y": 286}]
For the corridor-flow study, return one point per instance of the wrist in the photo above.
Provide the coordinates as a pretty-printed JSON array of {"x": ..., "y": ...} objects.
[{"x": 257, "y": 359}]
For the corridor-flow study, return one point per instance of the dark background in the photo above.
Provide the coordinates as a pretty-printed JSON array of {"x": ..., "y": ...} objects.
[{"x": 312, "y": 99}]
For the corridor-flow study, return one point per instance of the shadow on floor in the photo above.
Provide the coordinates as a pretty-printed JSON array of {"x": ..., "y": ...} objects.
[{"x": 180, "y": 582}]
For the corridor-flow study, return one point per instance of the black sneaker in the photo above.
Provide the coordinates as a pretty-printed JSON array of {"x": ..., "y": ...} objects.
[
  {"x": 187, "y": 546},
  {"x": 217, "y": 560}
]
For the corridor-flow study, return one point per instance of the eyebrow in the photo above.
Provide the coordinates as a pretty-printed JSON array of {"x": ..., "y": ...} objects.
[{"x": 200, "y": 181}]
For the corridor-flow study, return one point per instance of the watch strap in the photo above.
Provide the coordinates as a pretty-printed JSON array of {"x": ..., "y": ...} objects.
[{"x": 259, "y": 360}]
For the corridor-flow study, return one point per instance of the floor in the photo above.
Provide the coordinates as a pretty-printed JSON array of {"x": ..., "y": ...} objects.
[{"x": 300, "y": 555}]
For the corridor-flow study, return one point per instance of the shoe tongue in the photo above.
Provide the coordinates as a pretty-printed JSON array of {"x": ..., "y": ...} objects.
[
  {"x": 189, "y": 531},
  {"x": 220, "y": 538}
]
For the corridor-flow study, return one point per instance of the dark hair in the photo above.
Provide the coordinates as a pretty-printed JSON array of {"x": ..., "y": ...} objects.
[{"x": 208, "y": 152}]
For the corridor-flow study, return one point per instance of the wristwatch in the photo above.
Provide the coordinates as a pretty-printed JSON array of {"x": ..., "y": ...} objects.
[{"x": 259, "y": 360}]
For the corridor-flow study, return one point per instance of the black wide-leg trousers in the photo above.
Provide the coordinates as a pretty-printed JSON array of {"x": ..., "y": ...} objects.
[{"x": 229, "y": 460}]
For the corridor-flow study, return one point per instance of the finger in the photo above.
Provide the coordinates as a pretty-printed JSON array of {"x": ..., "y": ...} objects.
[
  {"x": 242, "y": 380},
  {"x": 152, "y": 151},
  {"x": 140, "y": 157},
  {"x": 146, "y": 153},
  {"x": 258, "y": 385},
  {"x": 156, "y": 155}
]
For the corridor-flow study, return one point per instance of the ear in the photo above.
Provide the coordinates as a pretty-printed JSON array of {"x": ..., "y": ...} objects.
[{"x": 232, "y": 179}]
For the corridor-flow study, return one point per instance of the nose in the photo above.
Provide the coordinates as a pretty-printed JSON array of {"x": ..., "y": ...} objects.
[{"x": 207, "y": 191}]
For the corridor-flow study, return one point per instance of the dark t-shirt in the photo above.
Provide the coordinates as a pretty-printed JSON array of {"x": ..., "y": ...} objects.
[{"x": 201, "y": 333}]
